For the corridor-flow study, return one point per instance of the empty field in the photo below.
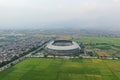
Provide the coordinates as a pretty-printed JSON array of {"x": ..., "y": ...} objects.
[
  {"x": 115, "y": 41},
  {"x": 110, "y": 46},
  {"x": 63, "y": 69}
]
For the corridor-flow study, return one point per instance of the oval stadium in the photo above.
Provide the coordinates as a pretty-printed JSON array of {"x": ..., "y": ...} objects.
[{"x": 62, "y": 48}]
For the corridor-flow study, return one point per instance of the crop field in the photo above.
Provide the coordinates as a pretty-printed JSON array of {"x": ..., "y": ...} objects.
[
  {"x": 63, "y": 69},
  {"x": 110, "y": 46},
  {"x": 115, "y": 41}
]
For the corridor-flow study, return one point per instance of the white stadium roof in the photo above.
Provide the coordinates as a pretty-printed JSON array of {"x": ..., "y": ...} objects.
[{"x": 54, "y": 47}]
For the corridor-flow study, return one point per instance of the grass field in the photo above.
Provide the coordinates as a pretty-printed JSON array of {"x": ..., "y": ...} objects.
[
  {"x": 115, "y": 41},
  {"x": 110, "y": 46},
  {"x": 63, "y": 69}
]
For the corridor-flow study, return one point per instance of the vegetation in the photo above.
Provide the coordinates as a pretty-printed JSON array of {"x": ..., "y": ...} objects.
[
  {"x": 105, "y": 40},
  {"x": 109, "y": 46},
  {"x": 63, "y": 69}
]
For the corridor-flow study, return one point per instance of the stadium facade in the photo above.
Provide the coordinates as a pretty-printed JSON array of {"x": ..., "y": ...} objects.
[{"x": 62, "y": 48}]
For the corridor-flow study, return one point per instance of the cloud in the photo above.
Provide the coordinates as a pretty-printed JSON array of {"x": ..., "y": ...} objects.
[{"x": 37, "y": 12}]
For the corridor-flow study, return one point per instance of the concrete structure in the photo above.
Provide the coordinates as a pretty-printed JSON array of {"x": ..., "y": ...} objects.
[{"x": 62, "y": 48}]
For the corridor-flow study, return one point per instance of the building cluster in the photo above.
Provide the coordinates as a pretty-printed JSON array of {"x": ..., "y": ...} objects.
[{"x": 20, "y": 46}]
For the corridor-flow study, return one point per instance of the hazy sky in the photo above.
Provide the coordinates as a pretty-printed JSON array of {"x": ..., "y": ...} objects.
[{"x": 59, "y": 13}]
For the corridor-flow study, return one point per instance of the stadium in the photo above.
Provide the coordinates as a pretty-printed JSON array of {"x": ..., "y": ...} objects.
[{"x": 62, "y": 48}]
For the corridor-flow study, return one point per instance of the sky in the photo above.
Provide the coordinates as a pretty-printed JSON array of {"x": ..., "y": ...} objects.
[{"x": 59, "y": 13}]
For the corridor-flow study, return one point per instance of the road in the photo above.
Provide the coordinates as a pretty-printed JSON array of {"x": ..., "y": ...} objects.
[{"x": 21, "y": 58}]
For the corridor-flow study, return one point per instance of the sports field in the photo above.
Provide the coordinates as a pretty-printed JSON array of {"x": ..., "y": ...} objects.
[{"x": 63, "y": 69}]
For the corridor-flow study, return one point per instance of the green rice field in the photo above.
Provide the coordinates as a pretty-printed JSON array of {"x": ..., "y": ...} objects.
[
  {"x": 63, "y": 69},
  {"x": 115, "y": 41}
]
